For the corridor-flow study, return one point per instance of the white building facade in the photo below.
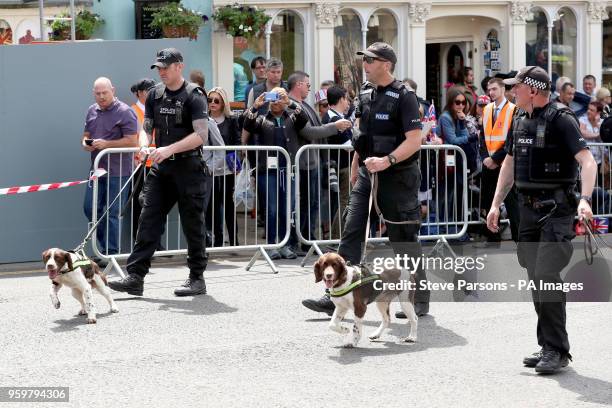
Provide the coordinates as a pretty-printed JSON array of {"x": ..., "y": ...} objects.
[{"x": 433, "y": 40}]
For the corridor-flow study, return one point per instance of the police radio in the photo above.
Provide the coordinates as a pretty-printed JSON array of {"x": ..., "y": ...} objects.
[{"x": 178, "y": 112}]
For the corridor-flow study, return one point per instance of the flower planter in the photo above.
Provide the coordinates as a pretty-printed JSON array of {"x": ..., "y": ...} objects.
[{"x": 178, "y": 32}]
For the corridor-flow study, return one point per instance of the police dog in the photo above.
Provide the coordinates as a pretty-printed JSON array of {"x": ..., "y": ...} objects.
[
  {"x": 337, "y": 275},
  {"x": 81, "y": 279}
]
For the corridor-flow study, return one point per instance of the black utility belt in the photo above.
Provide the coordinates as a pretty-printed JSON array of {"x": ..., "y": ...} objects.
[
  {"x": 542, "y": 198},
  {"x": 185, "y": 155}
]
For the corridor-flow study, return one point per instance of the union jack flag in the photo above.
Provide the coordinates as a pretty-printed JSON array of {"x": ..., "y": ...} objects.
[
  {"x": 600, "y": 225},
  {"x": 431, "y": 112}
]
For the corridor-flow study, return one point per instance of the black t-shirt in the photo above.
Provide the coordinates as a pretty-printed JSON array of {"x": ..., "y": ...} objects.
[
  {"x": 565, "y": 127},
  {"x": 196, "y": 103}
]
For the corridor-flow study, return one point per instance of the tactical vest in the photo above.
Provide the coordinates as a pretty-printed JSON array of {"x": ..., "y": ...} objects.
[
  {"x": 541, "y": 162},
  {"x": 380, "y": 124},
  {"x": 171, "y": 118}
]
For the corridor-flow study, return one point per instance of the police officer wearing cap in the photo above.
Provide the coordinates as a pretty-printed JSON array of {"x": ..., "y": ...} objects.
[
  {"x": 177, "y": 111},
  {"x": 388, "y": 144},
  {"x": 544, "y": 149}
]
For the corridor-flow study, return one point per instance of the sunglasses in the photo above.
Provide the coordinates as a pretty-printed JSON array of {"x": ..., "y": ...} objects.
[
  {"x": 370, "y": 60},
  {"x": 214, "y": 100},
  {"x": 460, "y": 102},
  {"x": 323, "y": 104}
]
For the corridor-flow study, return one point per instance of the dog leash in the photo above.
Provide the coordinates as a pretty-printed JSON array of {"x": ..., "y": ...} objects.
[
  {"x": 81, "y": 248},
  {"x": 591, "y": 238},
  {"x": 374, "y": 200},
  {"x": 137, "y": 183}
]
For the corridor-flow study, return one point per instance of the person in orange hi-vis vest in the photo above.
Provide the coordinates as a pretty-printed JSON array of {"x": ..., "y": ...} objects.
[
  {"x": 140, "y": 90},
  {"x": 496, "y": 120}
]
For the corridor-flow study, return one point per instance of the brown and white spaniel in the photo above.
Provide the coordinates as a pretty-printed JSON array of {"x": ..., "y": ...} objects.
[
  {"x": 79, "y": 274},
  {"x": 338, "y": 276}
]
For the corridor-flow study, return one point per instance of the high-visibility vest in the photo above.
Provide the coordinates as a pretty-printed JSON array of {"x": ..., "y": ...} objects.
[
  {"x": 495, "y": 133},
  {"x": 139, "y": 113},
  {"x": 140, "y": 117}
]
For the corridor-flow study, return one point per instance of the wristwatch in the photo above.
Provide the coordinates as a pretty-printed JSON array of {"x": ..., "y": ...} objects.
[
  {"x": 392, "y": 159},
  {"x": 586, "y": 198}
]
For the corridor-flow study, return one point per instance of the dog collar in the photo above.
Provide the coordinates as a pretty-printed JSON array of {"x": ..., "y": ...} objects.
[{"x": 358, "y": 283}]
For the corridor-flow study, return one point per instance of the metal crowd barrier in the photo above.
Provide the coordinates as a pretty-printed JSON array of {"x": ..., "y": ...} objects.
[
  {"x": 601, "y": 198},
  {"x": 252, "y": 224},
  {"x": 321, "y": 177}
]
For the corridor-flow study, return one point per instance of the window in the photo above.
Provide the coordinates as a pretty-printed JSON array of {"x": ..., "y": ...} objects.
[
  {"x": 287, "y": 41},
  {"x": 244, "y": 52},
  {"x": 607, "y": 52},
  {"x": 348, "y": 39},
  {"x": 286, "y": 44},
  {"x": 537, "y": 40},
  {"x": 6, "y": 34},
  {"x": 382, "y": 27},
  {"x": 564, "y": 45}
]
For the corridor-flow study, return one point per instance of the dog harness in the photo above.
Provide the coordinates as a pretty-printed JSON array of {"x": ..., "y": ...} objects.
[
  {"x": 81, "y": 263},
  {"x": 361, "y": 281}
]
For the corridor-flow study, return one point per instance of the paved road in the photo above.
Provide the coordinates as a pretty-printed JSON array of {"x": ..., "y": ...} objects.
[{"x": 250, "y": 343}]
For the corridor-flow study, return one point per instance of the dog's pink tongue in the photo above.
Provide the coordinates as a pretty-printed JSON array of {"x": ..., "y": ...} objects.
[
  {"x": 52, "y": 274},
  {"x": 328, "y": 283}
]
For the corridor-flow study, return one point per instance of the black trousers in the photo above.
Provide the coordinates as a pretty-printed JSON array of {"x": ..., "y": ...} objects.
[
  {"x": 487, "y": 191},
  {"x": 545, "y": 248},
  {"x": 398, "y": 201},
  {"x": 181, "y": 181},
  {"x": 223, "y": 203}
]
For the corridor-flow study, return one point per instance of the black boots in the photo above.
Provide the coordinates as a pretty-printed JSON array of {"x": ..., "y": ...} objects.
[
  {"x": 194, "y": 285},
  {"x": 552, "y": 361},
  {"x": 132, "y": 284},
  {"x": 420, "y": 308},
  {"x": 547, "y": 361},
  {"x": 532, "y": 360},
  {"x": 323, "y": 305}
]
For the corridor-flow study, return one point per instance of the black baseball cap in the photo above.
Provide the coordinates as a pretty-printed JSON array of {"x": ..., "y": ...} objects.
[
  {"x": 380, "y": 50},
  {"x": 143, "y": 85},
  {"x": 166, "y": 57},
  {"x": 531, "y": 75}
]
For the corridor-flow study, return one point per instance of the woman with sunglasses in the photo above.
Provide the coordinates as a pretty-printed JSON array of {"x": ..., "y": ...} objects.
[
  {"x": 223, "y": 183},
  {"x": 453, "y": 130}
]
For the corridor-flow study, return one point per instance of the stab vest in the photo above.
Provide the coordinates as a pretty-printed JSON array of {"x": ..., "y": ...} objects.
[
  {"x": 541, "y": 162},
  {"x": 171, "y": 118}
]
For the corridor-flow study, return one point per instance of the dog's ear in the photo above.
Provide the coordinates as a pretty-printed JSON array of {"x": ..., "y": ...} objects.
[
  {"x": 68, "y": 260},
  {"x": 341, "y": 269},
  {"x": 318, "y": 271},
  {"x": 45, "y": 255}
]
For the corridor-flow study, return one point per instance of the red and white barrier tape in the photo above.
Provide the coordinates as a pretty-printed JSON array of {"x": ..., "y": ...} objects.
[{"x": 51, "y": 186}]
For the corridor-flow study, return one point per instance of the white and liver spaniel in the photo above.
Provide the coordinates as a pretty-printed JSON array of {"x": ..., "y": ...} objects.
[
  {"x": 79, "y": 274},
  {"x": 338, "y": 277}
]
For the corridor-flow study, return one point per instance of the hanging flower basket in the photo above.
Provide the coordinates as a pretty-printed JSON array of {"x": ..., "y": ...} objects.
[
  {"x": 241, "y": 20},
  {"x": 178, "y": 32},
  {"x": 176, "y": 21},
  {"x": 85, "y": 25}
]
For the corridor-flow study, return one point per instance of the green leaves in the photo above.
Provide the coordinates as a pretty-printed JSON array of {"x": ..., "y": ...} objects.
[
  {"x": 175, "y": 15},
  {"x": 241, "y": 20},
  {"x": 86, "y": 23}
]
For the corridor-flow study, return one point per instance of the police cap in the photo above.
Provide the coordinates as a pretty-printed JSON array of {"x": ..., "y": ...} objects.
[
  {"x": 166, "y": 57},
  {"x": 380, "y": 50}
]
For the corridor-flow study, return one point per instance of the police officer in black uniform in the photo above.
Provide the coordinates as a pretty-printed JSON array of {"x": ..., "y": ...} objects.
[
  {"x": 544, "y": 149},
  {"x": 177, "y": 111},
  {"x": 388, "y": 143}
]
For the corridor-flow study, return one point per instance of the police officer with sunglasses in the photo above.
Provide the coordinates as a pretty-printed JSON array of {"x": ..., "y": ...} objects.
[{"x": 388, "y": 144}]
